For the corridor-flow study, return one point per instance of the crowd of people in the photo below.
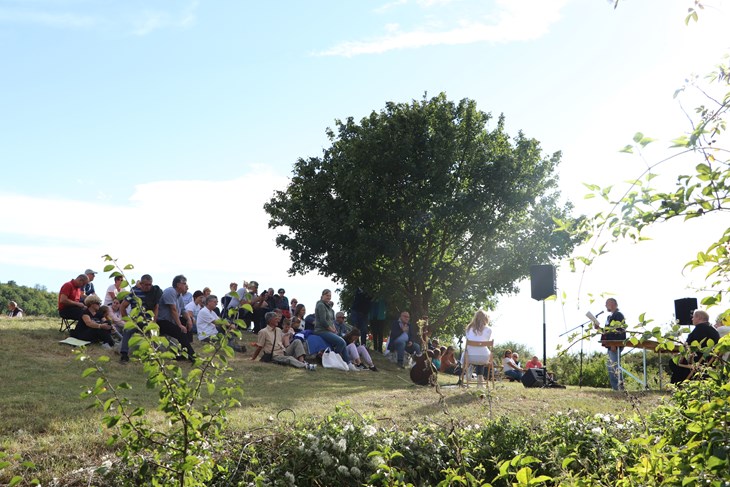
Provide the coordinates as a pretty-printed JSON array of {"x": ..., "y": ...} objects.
[
  {"x": 286, "y": 334},
  {"x": 284, "y": 331}
]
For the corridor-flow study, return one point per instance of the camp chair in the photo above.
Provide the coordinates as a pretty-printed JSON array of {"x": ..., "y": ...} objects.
[
  {"x": 66, "y": 324},
  {"x": 469, "y": 361}
]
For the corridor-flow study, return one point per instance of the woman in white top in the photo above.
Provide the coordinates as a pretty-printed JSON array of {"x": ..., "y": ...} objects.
[
  {"x": 479, "y": 331},
  {"x": 112, "y": 291}
]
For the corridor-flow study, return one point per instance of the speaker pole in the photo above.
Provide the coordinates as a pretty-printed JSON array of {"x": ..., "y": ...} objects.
[{"x": 544, "y": 345}]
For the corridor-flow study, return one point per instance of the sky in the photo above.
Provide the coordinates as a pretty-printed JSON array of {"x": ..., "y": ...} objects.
[{"x": 154, "y": 131}]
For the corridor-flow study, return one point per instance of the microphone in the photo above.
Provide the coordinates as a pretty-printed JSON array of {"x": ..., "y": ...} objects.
[{"x": 599, "y": 314}]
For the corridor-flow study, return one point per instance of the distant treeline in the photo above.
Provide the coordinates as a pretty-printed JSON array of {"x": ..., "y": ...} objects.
[{"x": 35, "y": 301}]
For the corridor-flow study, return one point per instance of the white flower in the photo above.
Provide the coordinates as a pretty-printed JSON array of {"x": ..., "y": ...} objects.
[
  {"x": 326, "y": 459},
  {"x": 369, "y": 430},
  {"x": 348, "y": 427},
  {"x": 596, "y": 430},
  {"x": 354, "y": 459},
  {"x": 290, "y": 477},
  {"x": 388, "y": 441},
  {"x": 355, "y": 471},
  {"x": 376, "y": 460},
  {"x": 343, "y": 470},
  {"x": 341, "y": 445}
]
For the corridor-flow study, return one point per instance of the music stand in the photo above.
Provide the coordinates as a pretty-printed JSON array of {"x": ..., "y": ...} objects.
[{"x": 581, "y": 326}]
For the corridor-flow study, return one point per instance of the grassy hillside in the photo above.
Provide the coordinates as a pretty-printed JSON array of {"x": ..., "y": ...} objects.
[{"x": 45, "y": 421}]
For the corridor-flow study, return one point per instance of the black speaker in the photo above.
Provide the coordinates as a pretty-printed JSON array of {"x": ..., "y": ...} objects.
[
  {"x": 533, "y": 378},
  {"x": 542, "y": 281},
  {"x": 683, "y": 309}
]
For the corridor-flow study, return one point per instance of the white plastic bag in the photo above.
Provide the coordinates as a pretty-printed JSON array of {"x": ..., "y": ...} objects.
[{"x": 332, "y": 360}]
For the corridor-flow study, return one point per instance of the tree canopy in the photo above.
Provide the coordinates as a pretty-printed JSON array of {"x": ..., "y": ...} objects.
[{"x": 429, "y": 204}]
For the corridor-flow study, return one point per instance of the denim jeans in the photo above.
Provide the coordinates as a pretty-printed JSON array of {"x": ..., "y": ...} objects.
[
  {"x": 399, "y": 344},
  {"x": 336, "y": 342},
  {"x": 615, "y": 376},
  {"x": 513, "y": 374}
]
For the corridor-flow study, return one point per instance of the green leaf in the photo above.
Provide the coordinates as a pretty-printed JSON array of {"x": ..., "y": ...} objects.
[
  {"x": 88, "y": 372},
  {"x": 108, "y": 268},
  {"x": 638, "y": 136},
  {"x": 15, "y": 481},
  {"x": 629, "y": 149}
]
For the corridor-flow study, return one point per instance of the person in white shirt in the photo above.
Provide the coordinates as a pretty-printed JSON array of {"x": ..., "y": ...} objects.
[
  {"x": 205, "y": 321},
  {"x": 112, "y": 291},
  {"x": 193, "y": 307}
]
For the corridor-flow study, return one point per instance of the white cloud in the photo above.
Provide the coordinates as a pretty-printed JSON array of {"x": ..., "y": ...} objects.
[
  {"x": 512, "y": 21},
  {"x": 214, "y": 232}
]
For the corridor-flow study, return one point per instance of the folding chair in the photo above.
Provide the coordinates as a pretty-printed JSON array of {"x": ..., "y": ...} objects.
[
  {"x": 66, "y": 324},
  {"x": 478, "y": 359}
]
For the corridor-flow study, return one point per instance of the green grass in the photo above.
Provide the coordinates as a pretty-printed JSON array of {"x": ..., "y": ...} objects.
[{"x": 43, "y": 418}]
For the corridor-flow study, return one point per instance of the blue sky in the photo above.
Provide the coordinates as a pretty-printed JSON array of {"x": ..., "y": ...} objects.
[{"x": 155, "y": 130}]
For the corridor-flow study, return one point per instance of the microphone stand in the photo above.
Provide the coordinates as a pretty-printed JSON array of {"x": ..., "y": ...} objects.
[{"x": 580, "y": 376}]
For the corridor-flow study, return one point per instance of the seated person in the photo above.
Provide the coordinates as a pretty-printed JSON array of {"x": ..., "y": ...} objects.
[
  {"x": 193, "y": 307},
  {"x": 516, "y": 358},
  {"x": 449, "y": 364},
  {"x": 89, "y": 328},
  {"x": 287, "y": 332},
  {"x": 14, "y": 311},
  {"x": 403, "y": 338},
  {"x": 342, "y": 327},
  {"x": 358, "y": 353},
  {"x": 436, "y": 359},
  {"x": 269, "y": 340},
  {"x": 699, "y": 338},
  {"x": 534, "y": 363},
  {"x": 510, "y": 369},
  {"x": 113, "y": 290},
  {"x": 69, "y": 305},
  {"x": 209, "y": 324}
]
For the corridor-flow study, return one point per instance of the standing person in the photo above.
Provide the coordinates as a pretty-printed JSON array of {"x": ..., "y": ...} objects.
[
  {"x": 14, "y": 311},
  {"x": 88, "y": 289},
  {"x": 359, "y": 313},
  {"x": 293, "y": 306},
  {"x": 479, "y": 331},
  {"x": 69, "y": 298},
  {"x": 113, "y": 290},
  {"x": 324, "y": 326},
  {"x": 172, "y": 313},
  {"x": 403, "y": 338},
  {"x": 615, "y": 329},
  {"x": 700, "y": 336}
]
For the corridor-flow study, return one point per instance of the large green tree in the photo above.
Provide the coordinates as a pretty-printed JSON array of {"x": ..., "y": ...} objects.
[{"x": 430, "y": 204}]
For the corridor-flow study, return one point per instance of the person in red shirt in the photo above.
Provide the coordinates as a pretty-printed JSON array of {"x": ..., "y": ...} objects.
[
  {"x": 534, "y": 363},
  {"x": 68, "y": 298}
]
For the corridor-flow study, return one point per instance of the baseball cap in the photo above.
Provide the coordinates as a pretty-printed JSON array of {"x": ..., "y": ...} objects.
[{"x": 89, "y": 271}]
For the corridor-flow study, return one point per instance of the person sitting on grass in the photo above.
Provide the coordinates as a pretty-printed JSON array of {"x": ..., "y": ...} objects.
[
  {"x": 449, "y": 364},
  {"x": 14, "y": 311},
  {"x": 269, "y": 339},
  {"x": 358, "y": 353},
  {"x": 89, "y": 329},
  {"x": 436, "y": 359},
  {"x": 511, "y": 370}
]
